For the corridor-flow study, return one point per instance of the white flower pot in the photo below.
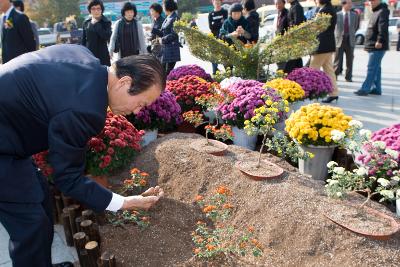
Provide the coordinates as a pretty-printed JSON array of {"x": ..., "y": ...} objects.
[
  {"x": 149, "y": 136},
  {"x": 316, "y": 166},
  {"x": 240, "y": 138},
  {"x": 398, "y": 203}
]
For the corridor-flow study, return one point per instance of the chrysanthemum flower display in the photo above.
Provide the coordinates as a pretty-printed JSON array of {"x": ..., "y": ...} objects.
[
  {"x": 164, "y": 113},
  {"x": 315, "y": 83},
  {"x": 389, "y": 135},
  {"x": 192, "y": 70},
  {"x": 313, "y": 124},
  {"x": 114, "y": 147},
  {"x": 187, "y": 88},
  {"x": 290, "y": 90}
]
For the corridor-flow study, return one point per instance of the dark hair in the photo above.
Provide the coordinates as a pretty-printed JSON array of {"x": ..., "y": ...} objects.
[
  {"x": 129, "y": 6},
  {"x": 93, "y": 3},
  {"x": 20, "y": 4},
  {"x": 344, "y": 2},
  {"x": 235, "y": 8},
  {"x": 156, "y": 7},
  {"x": 170, "y": 5},
  {"x": 249, "y": 4},
  {"x": 145, "y": 71}
]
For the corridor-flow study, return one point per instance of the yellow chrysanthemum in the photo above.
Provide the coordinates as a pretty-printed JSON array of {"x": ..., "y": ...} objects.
[{"x": 290, "y": 90}]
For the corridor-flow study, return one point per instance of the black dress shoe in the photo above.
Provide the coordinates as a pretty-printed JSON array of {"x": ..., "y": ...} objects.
[
  {"x": 349, "y": 80},
  {"x": 360, "y": 93},
  {"x": 373, "y": 92},
  {"x": 64, "y": 264},
  {"x": 329, "y": 99}
]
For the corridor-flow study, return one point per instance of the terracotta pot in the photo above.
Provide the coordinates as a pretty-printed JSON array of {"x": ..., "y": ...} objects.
[
  {"x": 278, "y": 171},
  {"x": 386, "y": 236},
  {"x": 101, "y": 180},
  {"x": 220, "y": 148}
]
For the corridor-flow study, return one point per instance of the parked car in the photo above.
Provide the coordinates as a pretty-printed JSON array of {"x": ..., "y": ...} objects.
[
  {"x": 46, "y": 37},
  {"x": 393, "y": 35},
  {"x": 267, "y": 28}
]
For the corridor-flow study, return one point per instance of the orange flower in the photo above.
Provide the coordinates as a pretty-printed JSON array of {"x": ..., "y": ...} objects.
[
  {"x": 128, "y": 182},
  {"x": 209, "y": 208},
  {"x": 250, "y": 229},
  {"x": 196, "y": 251},
  {"x": 227, "y": 206},
  {"x": 134, "y": 171},
  {"x": 145, "y": 174},
  {"x": 142, "y": 182},
  {"x": 200, "y": 240},
  {"x": 200, "y": 222},
  {"x": 222, "y": 190},
  {"x": 199, "y": 198},
  {"x": 210, "y": 247},
  {"x": 210, "y": 239},
  {"x": 145, "y": 219},
  {"x": 242, "y": 245}
]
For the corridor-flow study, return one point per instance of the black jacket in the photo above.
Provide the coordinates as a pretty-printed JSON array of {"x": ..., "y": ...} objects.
[
  {"x": 157, "y": 24},
  {"x": 18, "y": 39},
  {"x": 216, "y": 19},
  {"x": 326, "y": 39},
  {"x": 96, "y": 36},
  {"x": 54, "y": 99},
  {"x": 282, "y": 22},
  {"x": 378, "y": 28},
  {"x": 230, "y": 25},
  {"x": 296, "y": 14},
  {"x": 253, "y": 26}
]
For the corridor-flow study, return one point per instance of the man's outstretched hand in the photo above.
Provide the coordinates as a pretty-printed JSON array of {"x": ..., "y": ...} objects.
[{"x": 144, "y": 201}]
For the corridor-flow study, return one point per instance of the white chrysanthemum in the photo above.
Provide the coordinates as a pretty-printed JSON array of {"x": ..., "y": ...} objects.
[
  {"x": 333, "y": 182},
  {"x": 337, "y": 135},
  {"x": 383, "y": 182},
  {"x": 356, "y": 124},
  {"x": 387, "y": 193},
  {"x": 339, "y": 194},
  {"x": 379, "y": 144},
  {"x": 331, "y": 164},
  {"x": 366, "y": 133},
  {"x": 396, "y": 178},
  {"x": 352, "y": 145},
  {"x": 339, "y": 170},
  {"x": 392, "y": 153},
  {"x": 361, "y": 171},
  {"x": 227, "y": 82}
]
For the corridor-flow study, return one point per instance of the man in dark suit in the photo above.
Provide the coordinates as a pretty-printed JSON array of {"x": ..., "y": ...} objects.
[
  {"x": 282, "y": 25},
  {"x": 16, "y": 32},
  {"x": 345, "y": 36},
  {"x": 56, "y": 99},
  {"x": 296, "y": 17}
]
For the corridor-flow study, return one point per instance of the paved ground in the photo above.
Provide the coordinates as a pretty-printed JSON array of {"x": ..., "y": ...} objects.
[{"x": 374, "y": 111}]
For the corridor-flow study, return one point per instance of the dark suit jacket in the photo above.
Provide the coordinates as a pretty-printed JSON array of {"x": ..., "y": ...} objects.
[
  {"x": 326, "y": 38},
  {"x": 339, "y": 29},
  {"x": 55, "y": 99},
  {"x": 253, "y": 21},
  {"x": 169, "y": 40},
  {"x": 282, "y": 22},
  {"x": 96, "y": 36},
  {"x": 378, "y": 28},
  {"x": 296, "y": 14},
  {"x": 18, "y": 39}
]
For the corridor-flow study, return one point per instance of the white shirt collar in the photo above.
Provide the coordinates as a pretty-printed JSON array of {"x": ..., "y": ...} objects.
[{"x": 7, "y": 14}]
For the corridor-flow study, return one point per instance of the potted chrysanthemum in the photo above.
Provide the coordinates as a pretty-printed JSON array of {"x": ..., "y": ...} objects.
[
  {"x": 163, "y": 114},
  {"x": 311, "y": 127},
  {"x": 247, "y": 95},
  {"x": 192, "y": 70}
]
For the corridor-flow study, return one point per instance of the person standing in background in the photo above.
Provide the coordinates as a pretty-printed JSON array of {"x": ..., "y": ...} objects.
[
  {"x": 253, "y": 20},
  {"x": 345, "y": 36},
  {"x": 158, "y": 19},
  {"x": 296, "y": 17},
  {"x": 97, "y": 32},
  {"x": 376, "y": 44},
  {"x": 235, "y": 26},
  {"x": 169, "y": 38},
  {"x": 282, "y": 25},
  {"x": 16, "y": 32},
  {"x": 215, "y": 20},
  {"x": 323, "y": 56},
  {"x": 19, "y": 5},
  {"x": 127, "y": 38},
  {"x": 398, "y": 30}
]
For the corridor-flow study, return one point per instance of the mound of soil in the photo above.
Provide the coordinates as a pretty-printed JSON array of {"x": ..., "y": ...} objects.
[{"x": 287, "y": 214}]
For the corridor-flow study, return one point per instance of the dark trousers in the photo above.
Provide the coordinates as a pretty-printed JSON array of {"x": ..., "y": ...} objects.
[
  {"x": 30, "y": 226},
  {"x": 293, "y": 64},
  {"x": 338, "y": 62},
  {"x": 398, "y": 43},
  {"x": 168, "y": 67}
]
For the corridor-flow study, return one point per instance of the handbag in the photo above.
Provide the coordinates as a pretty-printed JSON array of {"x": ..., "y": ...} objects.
[{"x": 156, "y": 47}]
